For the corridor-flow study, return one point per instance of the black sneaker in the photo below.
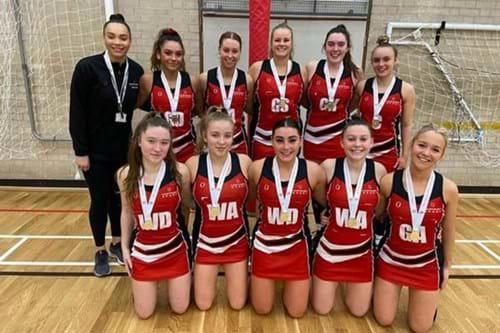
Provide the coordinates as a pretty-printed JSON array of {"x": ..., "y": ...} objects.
[
  {"x": 115, "y": 251},
  {"x": 101, "y": 267}
]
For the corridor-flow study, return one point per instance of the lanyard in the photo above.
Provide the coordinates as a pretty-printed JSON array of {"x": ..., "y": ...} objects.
[
  {"x": 332, "y": 89},
  {"x": 353, "y": 199},
  {"x": 378, "y": 105},
  {"x": 417, "y": 216},
  {"x": 173, "y": 100},
  {"x": 216, "y": 188},
  {"x": 281, "y": 85},
  {"x": 120, "y": 94},
  {"x": 147, "y": 205},
  {"x": 284, "y": 199},
  {"x": 227, "y": 99}
]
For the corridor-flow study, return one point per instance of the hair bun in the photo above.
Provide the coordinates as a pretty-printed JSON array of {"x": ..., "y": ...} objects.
[
  {"x": 341, "y": 27},
  {"x": 117, "y": 18},
  {"x": 169, "y": 32},
  {"x": 383, "y": 40}
]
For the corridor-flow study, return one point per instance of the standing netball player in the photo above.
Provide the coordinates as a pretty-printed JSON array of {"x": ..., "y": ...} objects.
[
  {"x": 388, "y": 104},
  {"x": 103, "y": 95},
  {"x": 152, "y": 187},
  {"x": 329, "y": 93},
  {"x": 229, "y": 87},
  {"x": 284, "y": 185},
  {"x": 344, "y": 253},
  {"x": 169, "y": 89},
  {"x": 422, "y": 207},
  {"x": 279, "y": 84},
  {"x": 220, "y": 233}
]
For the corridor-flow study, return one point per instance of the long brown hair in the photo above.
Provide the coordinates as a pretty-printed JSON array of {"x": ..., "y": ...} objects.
[
  {"x": 135, "y": 165},
  {"x": 165, "y": 35},
  {"x": 348, "y": 63}
]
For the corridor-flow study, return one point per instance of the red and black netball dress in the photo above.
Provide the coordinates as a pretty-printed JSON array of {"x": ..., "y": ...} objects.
[
  {"x": 160, "y": 250},
  {"x": 213, "y": 96},
  {"x": 180, "y": 118},
  {"x": 223, "y": 238},
  {"x": 344, "y": 251},
  {"x": 407, "y": 261},
  {"x": 386, "y": 130},
  {"x": 271, "y": 107},
  {"x": 327, "y": 117},
  {"x": 281, "y": 246}
]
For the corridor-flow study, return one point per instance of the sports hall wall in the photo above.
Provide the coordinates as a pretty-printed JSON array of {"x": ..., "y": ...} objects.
[{"x": 23, "y": 157}]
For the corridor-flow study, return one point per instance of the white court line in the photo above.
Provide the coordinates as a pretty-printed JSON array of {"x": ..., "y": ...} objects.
[
  {"x": 51, "y": 263},
  {"x": 475, "y": 266},
  {"x": 13, "y": 248},
  {"x": 478, "y": 241},
  {"x": 49, "y": 236},
  {"x": 493, "y": 254}
]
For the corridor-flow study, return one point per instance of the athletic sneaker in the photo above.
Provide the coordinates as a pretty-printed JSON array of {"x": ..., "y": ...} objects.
[
  {"x": 101, "y": 267},
  {"x": 115, "y": 251}
]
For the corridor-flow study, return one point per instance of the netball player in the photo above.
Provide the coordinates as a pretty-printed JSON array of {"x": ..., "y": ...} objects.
[
  {"x": 344, "y": 252},
  {"x": 388, "y": 104},
  {"x": 279, "y": 84},
  {"x": 284, "y": 185},
  {"x": 152, "y": 187},
  {"x": 229, "y": 87},
  {"x": 102, "y": 100},
  {"x": 220, "y": 234},
  {"x": 169, "y": 89},
  {"x": 329, "y": 93},
  {"x": 422, "y": 207}
]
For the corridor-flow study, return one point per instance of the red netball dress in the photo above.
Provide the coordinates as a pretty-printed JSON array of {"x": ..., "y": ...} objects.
[
  {"x": 281, "y": 249},
  {"x": 224, "y": 238},
  {"x": 182, "y": 128},
  {"x": 325, "y": 122},
  {"x": 271, "y": 109},
  {"x": 416, "y": 263},
  {"x": 213, "y": 96},
  {"x": 160, "y": 251},
  {"x": 386, "y": 148},
  {"x": 344, "y": 252}
]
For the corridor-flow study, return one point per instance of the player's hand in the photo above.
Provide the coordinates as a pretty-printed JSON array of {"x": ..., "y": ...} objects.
[
  {"x": 325, "y": 218},
  {"x": 401, "y": 164},
  {"x": 82, "y": 162},
  {"x": 127, "y": 260},
  {"x": 446, "y": 276}
]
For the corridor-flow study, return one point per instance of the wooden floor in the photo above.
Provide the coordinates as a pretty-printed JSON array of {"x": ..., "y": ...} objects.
[{"x": 46, "y": 281}]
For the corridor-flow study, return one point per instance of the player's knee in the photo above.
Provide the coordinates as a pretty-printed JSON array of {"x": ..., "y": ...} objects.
[
  {"x": 383, "y": 318},
  {"x": 204, "y": 303},
  {"x": 358, "y": 310},
  {"x": 295, "y": 312},
  {"x": 143, "y": 313},
  {"x": 237, "y": 303},
  {"x": 321, "y": 308},
  {"x": 263, "y": 309}
]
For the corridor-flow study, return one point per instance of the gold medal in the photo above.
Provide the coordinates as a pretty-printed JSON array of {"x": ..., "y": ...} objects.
[
  {"x": 284, "y": 217},
  {"x": 282, "y": 103},
  {"x": 352, "y": 223},
  {"x": 330, "y": 106},
  {"x": 415, "y": 236},
  {"x": 148, "y": 225},
  {"x": 213, "y": 212},
  {"x": 376, "y": 123}
]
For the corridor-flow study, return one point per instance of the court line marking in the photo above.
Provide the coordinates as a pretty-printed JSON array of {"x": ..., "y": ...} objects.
[
  {"x": 489, "y": 251},
  {"x": 13, "y": 248},
  {"x": 53, "y": 263}
]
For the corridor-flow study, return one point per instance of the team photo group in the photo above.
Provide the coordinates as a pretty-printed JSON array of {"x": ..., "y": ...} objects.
[{"x": 211, "y": 149}]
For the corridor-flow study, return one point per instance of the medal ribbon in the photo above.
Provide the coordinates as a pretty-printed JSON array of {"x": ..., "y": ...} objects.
[
  {"x": 353, "y": 199},
  {"x": 332, "y": 89},
  {"x": 284, "y": 199},
  {"x": 216, "y": 189},
  {"x": 120, "y": 94},
  {"x": 173, "y": 100},
  {"x": 378, "y": 105},
  {"x": 281, "y": 85},
  {"x": 147, "y": 205},
  {"x": 417, "y": 216},
  {"x": 227, "y": 99}
]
